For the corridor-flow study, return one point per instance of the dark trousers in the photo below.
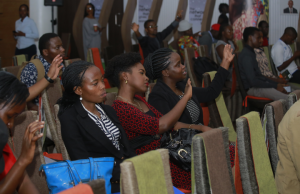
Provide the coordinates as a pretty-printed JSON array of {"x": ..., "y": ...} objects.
[
  {"x": 30, "y": 51},
  {"x": 296, "y": 77}
]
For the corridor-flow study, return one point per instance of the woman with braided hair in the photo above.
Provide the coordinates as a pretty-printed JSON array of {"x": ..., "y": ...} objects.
[
  {"x": 90, "y": 128},
  {"x": 141, "y": 121},
  {"x": 165, "y": 66}
]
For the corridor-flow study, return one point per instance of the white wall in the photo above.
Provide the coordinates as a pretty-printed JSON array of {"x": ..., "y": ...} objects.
[{"x": 42, "y": 16}]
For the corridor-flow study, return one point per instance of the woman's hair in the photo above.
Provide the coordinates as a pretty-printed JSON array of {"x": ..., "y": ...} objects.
[
  {"x": 222, "y": 29},
  {"x": 12, "y": 91},
  {"x": 24, "y": 5},
  {"x": 72, "y": 78},
  {"x": 119, "y": 64},
  {"x": 85, "y": 13},
  {"x": 156, "y": 62}
]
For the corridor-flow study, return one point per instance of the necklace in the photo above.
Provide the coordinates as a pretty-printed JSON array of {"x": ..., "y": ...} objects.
[{"x": 137, "y": 106}]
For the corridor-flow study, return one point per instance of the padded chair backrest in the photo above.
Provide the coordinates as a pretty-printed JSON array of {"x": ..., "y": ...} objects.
[
  {"x": 110, "y": 98},
  {"x": 216, "y": 158},
  {"x": 20, "y": 124},
  {"x": 245, "y": 157},
  {"x": 292, "y": 98},
  {"x": 238, "y": 77},
  {"x": 215, "y": 119},
  {"x": 19, "y": 59},
  {"x": 129, "y": 182},
  {"x": 98, "y": 186},
  {"x": 270, "y": 61},
  {"x": 274, "y": 112},
  {"x": 240, "y": 44},
  {"x": 12, "y": 69},
  {"x": 69, "y": 61},
  {"x": 66, "y": 39},
  {"x": 189, "y": 54},
  {"x": 203, "y": 51},
  {"x": 214, "y": 53}
]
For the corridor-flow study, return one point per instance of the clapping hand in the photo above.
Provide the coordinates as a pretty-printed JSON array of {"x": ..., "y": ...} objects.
[
  {"x": 135, "y": 27},
  {"x": 55, "y": 67},
  {"x": 188, "y": 89},
  {"x": 179, "y": 15}
]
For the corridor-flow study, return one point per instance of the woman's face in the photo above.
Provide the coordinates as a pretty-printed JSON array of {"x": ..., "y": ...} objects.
[
  {"x": 92, "y": 89},
  {"x": 89, "y": 9},
  {"x": 176, "y": 71},
  {"x": 9, "y": 113},
  {"x": 137, "y": 79},
  {"x": 23, "y": 12},
  {"x": 228, "y": 33}
]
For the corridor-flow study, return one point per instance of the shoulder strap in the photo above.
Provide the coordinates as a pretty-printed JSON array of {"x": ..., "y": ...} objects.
[{"x": 39, "y": 66}]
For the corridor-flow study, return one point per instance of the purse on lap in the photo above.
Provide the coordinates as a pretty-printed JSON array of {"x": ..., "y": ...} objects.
[{"x": 67, "y": 174}]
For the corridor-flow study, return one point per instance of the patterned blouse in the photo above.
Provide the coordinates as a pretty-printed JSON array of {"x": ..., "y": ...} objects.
[
  {"x": 263, "y": 63},
  {"x": 29, "y": 73},
  {"x": 188, "y": 42},
  {"x": 104, "y": 123},
  {"x": 137, "y": 123}
]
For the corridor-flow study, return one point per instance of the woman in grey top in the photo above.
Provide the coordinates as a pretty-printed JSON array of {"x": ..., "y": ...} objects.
[
  {"x": 91, "y": 30},
  {"x": 226, "y": 37}
]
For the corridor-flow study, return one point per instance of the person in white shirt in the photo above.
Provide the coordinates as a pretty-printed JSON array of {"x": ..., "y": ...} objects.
[
  {"x": 25, "y": 33},
  {"x": 283, "y": 57}
]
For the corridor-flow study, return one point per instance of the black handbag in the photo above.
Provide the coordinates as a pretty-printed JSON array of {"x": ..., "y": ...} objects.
[{"x": 179, "y": 144}]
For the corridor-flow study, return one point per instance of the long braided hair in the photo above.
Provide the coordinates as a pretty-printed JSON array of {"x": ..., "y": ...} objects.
[
  {"x": 156, "y": 62},
  {"x": 72, "y": 78}
]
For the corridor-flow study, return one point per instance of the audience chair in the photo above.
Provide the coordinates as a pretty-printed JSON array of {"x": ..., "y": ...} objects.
[
  {"x": 292, "y": 98},
  {"x": 93, "y": 56},
  {"x": 214, "y": 53},
  {"x": 189, "y": 54},
  {"x": 50, "y": 97},
  {"x": 271, "y": 65},
  {"x": 108, "y": 54},
  {"x": 203, "y": 51},
  {"x": 69, "y": 61},
  {"x": 249, "y": 102},
  {"x": 19, "y": 59},
  {"x": 15, "y": 142},
  {"x": 66, "y": 39},
  {"x": 219, "y": 116},
  {"x": 240, "y": 45},
  {"x": 211, "y": 169},
  {"x": 110, "y": 98},
  {"x": 12, "y": 69},
  {"x": 147, "y": 93},
  {"x": 271, "y": 117},
  {"x": 252, "y": 157},
  {"x": 61, "y": 144},
  {"x": 132, "y": 168}
]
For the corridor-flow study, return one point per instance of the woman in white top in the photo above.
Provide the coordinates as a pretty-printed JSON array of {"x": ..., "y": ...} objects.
[
  {"x": 25, "y": 33},
  {"x": 91, "y": 30}
]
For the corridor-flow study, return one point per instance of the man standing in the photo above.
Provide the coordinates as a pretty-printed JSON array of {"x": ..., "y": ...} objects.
[
  {"x": 154, "y": 40},
  {"x": 254, "y": 82},
  {"x": 283, "y": 57},
  {"x": 210, "y": 37},
  {"x": 290, "y": 9}
]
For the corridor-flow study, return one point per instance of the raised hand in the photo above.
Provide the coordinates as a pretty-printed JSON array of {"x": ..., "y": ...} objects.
[
  {"x": 29, "y": 142},
  {"x": 227, "y": 53},
  {"x": 55, "y": 67},
  {"x": 135, "y": 27},
  {"x": 179, "y": 15},
  {"x": 188, "y": 89}
]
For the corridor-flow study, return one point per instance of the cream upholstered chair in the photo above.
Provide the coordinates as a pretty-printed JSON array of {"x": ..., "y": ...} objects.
[
  {"x": 69, "y": 61},
  {"x": 12, "y": 69},
  {"x": 189, "y": 54},
  {"x": 292, "y": 98}
]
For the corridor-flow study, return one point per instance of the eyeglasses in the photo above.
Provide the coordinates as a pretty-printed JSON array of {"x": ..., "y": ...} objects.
[{"x": 152, "y": 26}]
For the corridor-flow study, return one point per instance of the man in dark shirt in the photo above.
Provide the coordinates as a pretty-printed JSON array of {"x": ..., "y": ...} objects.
[
  {"x": 254, "y": 82},
  {"x": 290, "y": 9},
  {"x": 154, "y": 39}
]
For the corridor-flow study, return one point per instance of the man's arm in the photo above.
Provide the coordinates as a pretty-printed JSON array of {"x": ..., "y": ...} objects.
[{"x": 277, "y": 56}]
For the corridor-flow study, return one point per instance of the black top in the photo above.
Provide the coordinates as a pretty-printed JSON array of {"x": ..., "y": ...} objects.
[
  {"x": 250, "y": 73},
  {"x": 83, "y": 138},
  {"x": 149, "y": 45},
  {"x": 164, "y": 99}
]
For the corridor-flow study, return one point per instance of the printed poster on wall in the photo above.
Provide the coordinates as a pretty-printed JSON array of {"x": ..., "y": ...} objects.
[
  {"x": 196, "y": 10},
  {"x": 143, "y": 13},
  {"x": 246, "y": 13},
  {"x": 98, "y": 6}
]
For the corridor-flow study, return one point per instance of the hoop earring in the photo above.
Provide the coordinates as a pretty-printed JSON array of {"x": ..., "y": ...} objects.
[{"x": 126, "y": 82}]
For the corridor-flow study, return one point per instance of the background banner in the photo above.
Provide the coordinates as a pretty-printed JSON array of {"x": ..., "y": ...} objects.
[
  {"x": 245, "y": 13},
  {"x": 196, "y": 9},
  {"x": 144, "y": 7}
]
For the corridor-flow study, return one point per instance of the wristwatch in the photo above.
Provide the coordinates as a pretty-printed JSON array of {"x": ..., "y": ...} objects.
[{"x": 49, "y": 79}]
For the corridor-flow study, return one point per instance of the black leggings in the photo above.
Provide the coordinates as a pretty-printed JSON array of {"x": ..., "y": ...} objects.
[
  {"x": 296, "y": 77},
  {"x": 30, "y": 51}
]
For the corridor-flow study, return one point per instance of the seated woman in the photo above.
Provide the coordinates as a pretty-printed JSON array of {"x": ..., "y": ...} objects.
[
  {"x": 139, "y": 118},
  {"x": 226, "y": 37},
  {"x": 89, "y": 128},
  {"x": 165, "y": 66}
]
